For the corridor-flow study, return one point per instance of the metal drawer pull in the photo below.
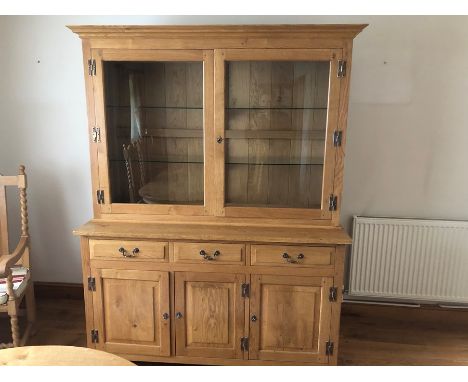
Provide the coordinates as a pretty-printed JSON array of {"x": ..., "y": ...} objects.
[
  {"x": 290, "y": 260},
  {"x": 208, "y": 257},
  {"x": 178, "y": 315},
  {"x": 165, "y": 316},
  {"x": 125, "y": 253}
]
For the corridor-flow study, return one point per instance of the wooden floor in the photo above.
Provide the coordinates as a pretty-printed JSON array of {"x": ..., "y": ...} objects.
[{"x": 370, "y": 334}]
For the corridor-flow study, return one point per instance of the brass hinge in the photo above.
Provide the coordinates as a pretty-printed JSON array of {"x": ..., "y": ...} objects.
[
  {"x": 94, "y": 336},
  {"x": 244, "y": 344},
  {"x": 333, "y": 203},
  {"x": 245, "y": 290},
  {"x": 100, "y": 196},
  {"x": 341, "y": 68},
  {"x": 91, "y": 284},
  {"x": 333, "y": 295},
  {"x": 96, "y": 134},
  {"x": 329, "y": 348},
  {"x": 92, "y": 67},
  {"x": 337, "y": 138}
]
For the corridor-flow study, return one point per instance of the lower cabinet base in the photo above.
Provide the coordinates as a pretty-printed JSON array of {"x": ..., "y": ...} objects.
[
  {"x": 214, "y": 302},
  {"x": 216, "y": 361}
]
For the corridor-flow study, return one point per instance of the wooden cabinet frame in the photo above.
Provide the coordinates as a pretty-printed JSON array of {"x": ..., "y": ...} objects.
[{"x": 292, "y": 253}]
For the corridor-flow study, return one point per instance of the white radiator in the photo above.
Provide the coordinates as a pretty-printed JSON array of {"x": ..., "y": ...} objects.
[{"x": 409, "y": 259}]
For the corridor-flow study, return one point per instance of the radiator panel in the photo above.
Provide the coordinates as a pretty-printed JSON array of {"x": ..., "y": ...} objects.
[{"x": 409, "y": 259}]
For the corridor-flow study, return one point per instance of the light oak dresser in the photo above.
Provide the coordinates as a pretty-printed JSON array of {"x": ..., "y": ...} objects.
[{"x": 217, "y": 159}]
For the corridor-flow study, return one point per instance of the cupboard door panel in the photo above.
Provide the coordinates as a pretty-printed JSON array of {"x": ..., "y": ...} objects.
[
  {"x": 209, "y": 314},
  {"x": 131, "y": 311},
  {"x": 291, "y": 320},
  {"x": 277, "y": 111}
]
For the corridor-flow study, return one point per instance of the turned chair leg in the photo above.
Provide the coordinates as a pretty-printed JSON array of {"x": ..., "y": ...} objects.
[{"x": 15, "y": 334}]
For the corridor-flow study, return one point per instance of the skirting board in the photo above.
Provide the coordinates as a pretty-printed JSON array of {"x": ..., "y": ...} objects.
[{"x": 43, "y": 289}]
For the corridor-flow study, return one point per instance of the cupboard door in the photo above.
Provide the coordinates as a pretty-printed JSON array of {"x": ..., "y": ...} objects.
[
  {"x": 131, "y": 311},
  {"x": 277, "y": 110},
  {"x": 289, "y": 318},
  {"x": 209, "y": 317},
  {"x": 154, "y": 112}
]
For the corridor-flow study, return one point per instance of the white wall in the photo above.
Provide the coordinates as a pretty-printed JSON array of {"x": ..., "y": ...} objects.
[{"x": 408, "y": 122}]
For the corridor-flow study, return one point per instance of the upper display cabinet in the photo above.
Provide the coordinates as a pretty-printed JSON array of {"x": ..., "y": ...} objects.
[{"x": 228, "y": 122}]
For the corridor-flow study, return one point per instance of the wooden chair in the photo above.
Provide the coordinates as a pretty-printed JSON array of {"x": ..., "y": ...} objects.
[
  {"x": 15, "y": 275},
  {"x": 134, "y": 163}
]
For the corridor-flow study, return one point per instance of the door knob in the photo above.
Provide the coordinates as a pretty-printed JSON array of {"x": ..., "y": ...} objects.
[
  {"x": 178, "y": 315},
  {"x": 165, "y": 316},
  {"x": 253, "y": 318}
]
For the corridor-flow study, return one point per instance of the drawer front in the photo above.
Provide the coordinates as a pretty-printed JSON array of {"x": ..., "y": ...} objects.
[
  {"x": 128, "y": 249},
  {"x": 291, "y": 255},
  {"x": 209, "y": 253}
]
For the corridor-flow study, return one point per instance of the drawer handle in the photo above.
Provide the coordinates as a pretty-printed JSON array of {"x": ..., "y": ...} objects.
[
  {"x": 165, "y": 316},
  {"x": 208, "y": 257},
  {"x": 125, "y": 253},
  {"x": 253, "y": 318},
  {"x": 290, "y": 260},
  {"x": 178, "y": 315}
]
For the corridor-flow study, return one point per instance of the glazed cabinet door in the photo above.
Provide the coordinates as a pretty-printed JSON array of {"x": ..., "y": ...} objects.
[
  {"x": 153, "y": 114},
  {"x": 209, "y": 314},
  {"x": 131, "y": 311},
  {"x": 276, "y": 112},
  {"x": 289, "y": 318}
]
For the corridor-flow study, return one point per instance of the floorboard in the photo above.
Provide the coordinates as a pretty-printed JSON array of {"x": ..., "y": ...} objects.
[{"x": 370, "y": 334}]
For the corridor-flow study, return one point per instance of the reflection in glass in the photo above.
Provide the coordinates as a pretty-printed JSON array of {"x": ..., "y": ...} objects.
[
  {"x": 276, "y": 118},
  {"x": 154, "y": 121}
]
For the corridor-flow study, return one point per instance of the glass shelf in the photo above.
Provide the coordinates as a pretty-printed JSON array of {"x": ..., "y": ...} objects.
[
  {"x": 155, "y": 107},
  {"x": 164, "y": 161},
  {"x": 276, "y": 108},
  {"x": 317, "y": 162}
]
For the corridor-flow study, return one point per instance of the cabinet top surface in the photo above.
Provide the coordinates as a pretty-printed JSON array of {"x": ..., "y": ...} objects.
[
  {"x": 341, "y": 30},
  {"x": 214, "y": 232}
]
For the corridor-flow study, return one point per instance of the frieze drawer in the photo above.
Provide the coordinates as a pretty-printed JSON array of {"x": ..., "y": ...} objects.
[
  {"x": 128, "y": 249},
  {"x": 209, "y": 253},
  {"x": 291, "y": 255}
]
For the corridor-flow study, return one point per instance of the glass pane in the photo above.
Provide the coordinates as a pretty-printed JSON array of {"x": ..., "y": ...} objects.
[
  {"x": 276, "y": 118},
  {"x": 154, "y": 116}
]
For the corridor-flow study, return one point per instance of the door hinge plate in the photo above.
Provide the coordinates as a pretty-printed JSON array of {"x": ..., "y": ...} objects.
[
  {"x": 94, "y": 336},
  {"x": 329, "y": 348},
  {"x": 100, "y": 196},
  {"x": 91, "y": 284},
  {"x": 92, "y": 67},
  {"x": 341, "y": 68},
  {"x": 245, "y": 290},
  {"x": 96, "y": 134},
  {"x": 245, "y": 344},
  {"x": 333, "y": 203},
  {"x": 337, "y": 138},
  {"x": 333, "y": 295}
]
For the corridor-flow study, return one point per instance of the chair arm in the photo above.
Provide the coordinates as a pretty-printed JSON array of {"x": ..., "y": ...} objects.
[{"x": 8, "y": 260}]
